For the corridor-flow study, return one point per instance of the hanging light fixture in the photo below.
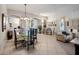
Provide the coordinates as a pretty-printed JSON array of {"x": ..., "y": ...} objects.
[
  {"x": 25, "y": 16},
  {"x": 25, "y": 9},
  {"x": 24, "y": 12}
]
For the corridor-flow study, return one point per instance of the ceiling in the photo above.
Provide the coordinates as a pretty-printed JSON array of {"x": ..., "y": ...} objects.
[{"x": 51, "y": 10}]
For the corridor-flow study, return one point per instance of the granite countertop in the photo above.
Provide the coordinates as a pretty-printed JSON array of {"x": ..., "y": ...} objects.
[{"x": 75, "y": 41}]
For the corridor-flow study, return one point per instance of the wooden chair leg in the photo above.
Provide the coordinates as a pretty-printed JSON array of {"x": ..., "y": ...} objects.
[
  {"x": 33, "y": 46},
  {"x": 36, "y": 40},
  {"x": 16, "y": 46},
  {"x": 15, "y": 43},
  {"x": 27, "y": 46}
]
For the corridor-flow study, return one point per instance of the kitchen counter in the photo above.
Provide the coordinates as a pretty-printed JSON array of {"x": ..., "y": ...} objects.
[
  {"x": 76, "y": 44},
  {"x": 75, "y": 41}
]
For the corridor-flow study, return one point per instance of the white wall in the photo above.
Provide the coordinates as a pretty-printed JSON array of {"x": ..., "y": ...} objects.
[
  {"x": 35, "y": 23},
  {"x": 75, "y": 23},
  {"x": 14, "y": 21},
  {"x": 3, "y": 9}
]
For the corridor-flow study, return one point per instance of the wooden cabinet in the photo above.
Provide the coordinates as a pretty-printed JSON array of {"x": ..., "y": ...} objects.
[{"x": 9, "y": 35}]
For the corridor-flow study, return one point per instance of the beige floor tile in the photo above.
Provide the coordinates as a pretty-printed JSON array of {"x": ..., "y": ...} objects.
[{"x": 47, "y": 45}]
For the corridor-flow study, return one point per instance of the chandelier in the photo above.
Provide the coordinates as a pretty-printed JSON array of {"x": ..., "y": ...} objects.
[
  {"x": 25, "y": 16},
  {"x": 25, "y": 9}
]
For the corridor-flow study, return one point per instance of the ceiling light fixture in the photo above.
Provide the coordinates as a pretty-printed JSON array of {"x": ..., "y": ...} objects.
[
  {"x": 25, "y": 9},
  {"x": 25, "y": 16}
]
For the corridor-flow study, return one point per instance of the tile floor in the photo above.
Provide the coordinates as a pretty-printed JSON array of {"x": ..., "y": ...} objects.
[{"x": 47, "y": 45}]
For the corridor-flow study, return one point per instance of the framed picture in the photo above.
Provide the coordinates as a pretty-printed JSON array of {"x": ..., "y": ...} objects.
[
  {"x": 3, "y": 22},
  {"x": 67, "y": 23},
  {"x": 10, "y": 24}
]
